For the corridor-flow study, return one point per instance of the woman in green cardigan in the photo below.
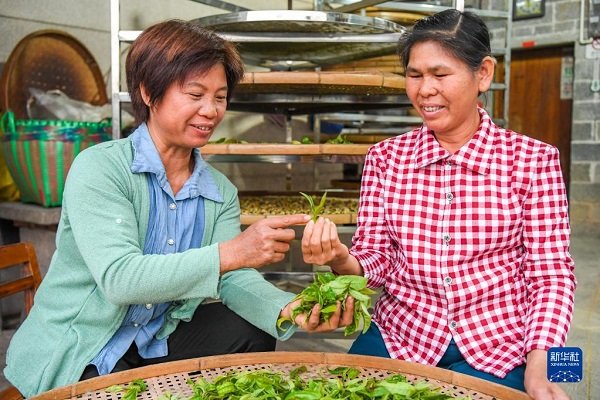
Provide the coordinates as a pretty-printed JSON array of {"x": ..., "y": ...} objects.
[{"x": 149, "y": 232}]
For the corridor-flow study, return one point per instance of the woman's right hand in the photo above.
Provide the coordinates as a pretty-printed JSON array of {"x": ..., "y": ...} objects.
[
  {"x": 321, "y": 244},
  {"x": 342, "y": 316},
  {"x": 264, "y": 242}
]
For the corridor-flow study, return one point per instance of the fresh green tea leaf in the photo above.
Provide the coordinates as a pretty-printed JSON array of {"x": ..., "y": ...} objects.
[
  {"x": 131, "y": 391},
  {"x": 114, "y": 388},
  {"x": 315, "y": 210}
]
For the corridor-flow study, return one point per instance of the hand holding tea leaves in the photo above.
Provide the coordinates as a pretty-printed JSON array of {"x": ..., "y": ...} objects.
[{"x": 329, "y": 290}]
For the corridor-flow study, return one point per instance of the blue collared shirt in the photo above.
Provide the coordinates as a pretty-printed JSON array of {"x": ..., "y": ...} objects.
[{"x": 175, "y": 224}]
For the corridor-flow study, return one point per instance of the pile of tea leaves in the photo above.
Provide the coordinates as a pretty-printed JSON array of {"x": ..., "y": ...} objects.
[
  {"x": 342, "y": 383},
  {"x": 328, "y": 290}
]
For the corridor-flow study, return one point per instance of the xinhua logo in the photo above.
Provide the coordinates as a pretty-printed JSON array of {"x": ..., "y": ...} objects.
[{"x": 565, "y": 364}]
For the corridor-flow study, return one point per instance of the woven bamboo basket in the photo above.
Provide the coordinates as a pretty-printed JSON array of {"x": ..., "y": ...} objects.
[
  {"x": 39, "y": 153},
  {"x": 171, "y": 377}
]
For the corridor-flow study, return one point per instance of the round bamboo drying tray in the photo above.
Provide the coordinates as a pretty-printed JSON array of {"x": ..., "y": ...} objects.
[
  {"x": 171, "y": 377},
  {"x": 304, "y": 39},
  {"x": 50, "y": 59}
]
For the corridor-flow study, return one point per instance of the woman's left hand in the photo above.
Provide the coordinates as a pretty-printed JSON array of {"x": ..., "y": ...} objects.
[
  {"x": 321, "y": 244},
  {"x": 537, "y": 384},
  {"x": 341, "y": 317}
]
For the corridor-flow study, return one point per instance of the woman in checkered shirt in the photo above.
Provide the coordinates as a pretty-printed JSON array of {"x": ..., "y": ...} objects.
[{"x": 462, "y": 224}]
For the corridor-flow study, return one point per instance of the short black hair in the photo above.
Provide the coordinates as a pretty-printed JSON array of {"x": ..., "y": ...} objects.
[{"x": 462, "y": 33}]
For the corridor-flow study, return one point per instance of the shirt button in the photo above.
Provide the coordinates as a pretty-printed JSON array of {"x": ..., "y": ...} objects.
[
  {"x": 453, "y": 324},
  {"x": 170, "y": 242},
  {"x": 447, "y": 280},
  {"x": 136, "y": 325},
  {"x": 447, "y": 239},
  {"x": 172, "y": 206},
  {"x": 148, "y": 306},
  {"x": 449, "y": 197}
]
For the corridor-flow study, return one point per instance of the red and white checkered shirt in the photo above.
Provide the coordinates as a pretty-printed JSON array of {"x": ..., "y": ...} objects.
[{"x": 472, "y": 246}]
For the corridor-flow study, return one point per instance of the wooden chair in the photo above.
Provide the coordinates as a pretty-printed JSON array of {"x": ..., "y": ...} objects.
[
  {"x": 20, "y": 255},
  {"x": 15, "y": 255}
]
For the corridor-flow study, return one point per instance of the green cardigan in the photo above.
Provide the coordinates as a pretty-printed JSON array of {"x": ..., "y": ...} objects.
[{"x": 98, "y": 270}]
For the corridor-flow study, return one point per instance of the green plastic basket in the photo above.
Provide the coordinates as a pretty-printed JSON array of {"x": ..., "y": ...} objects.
[{"x": 39, "y": 153}]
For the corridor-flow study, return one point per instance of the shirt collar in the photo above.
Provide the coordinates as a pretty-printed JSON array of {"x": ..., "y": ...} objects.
[
  {"x": 147, "y": 160},
  {"x": 474, "y": 155}
]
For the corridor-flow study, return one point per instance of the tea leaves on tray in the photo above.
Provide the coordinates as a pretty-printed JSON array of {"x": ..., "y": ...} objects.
[
  {"x": 327, "y": 290},
  {"x": 344, "y": 383},
  {"x": 131, "y": 391}
]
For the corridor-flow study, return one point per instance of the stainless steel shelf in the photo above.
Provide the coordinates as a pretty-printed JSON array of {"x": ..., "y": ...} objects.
[
  {"x": 359, "y": 118},
  {"x": 253, "y": 158},
  {"x": 301, "y": 104},
  {"x": 298, "y": 21}
]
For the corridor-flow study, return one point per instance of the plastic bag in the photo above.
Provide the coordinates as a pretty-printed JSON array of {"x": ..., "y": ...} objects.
[{"x": 54, "y": 104}]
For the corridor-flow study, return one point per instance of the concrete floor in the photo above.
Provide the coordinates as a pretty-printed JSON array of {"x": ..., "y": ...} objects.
[{"x": 585, "y": 330}]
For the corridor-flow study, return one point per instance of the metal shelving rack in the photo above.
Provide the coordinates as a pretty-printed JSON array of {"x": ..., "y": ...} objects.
[
  {"x": 321, "y": 37},
  {"x": 337, "y": 41},
  {"x": 326, "y": 38},
  {"x": 372, "y": 36}
]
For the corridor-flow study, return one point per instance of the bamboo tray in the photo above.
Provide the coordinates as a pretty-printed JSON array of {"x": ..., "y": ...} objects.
[
  {"x": 322, "y": 82},
  {"x": 171, "y": 377},
  {"x": 285, "y": 149},
  {"x": 50, "y": 59}
]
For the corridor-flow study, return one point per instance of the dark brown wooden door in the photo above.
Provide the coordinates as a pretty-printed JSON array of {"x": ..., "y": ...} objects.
[{"x": 535, "y": 105}]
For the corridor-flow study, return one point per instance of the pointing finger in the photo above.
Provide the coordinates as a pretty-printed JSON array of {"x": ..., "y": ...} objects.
[{"x": 283, "y": 221}]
